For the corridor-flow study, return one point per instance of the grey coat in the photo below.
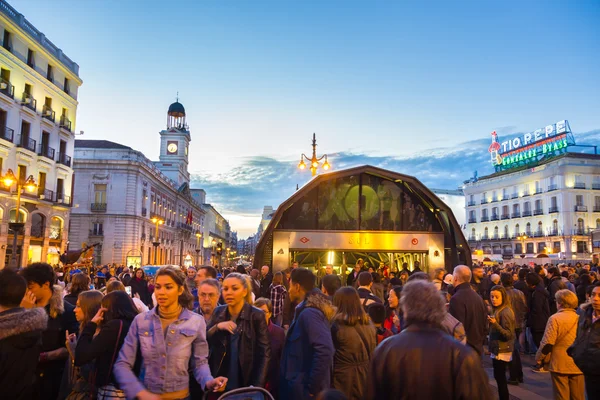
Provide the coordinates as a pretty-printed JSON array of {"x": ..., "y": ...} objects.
[{"x": 502, "y": 333}]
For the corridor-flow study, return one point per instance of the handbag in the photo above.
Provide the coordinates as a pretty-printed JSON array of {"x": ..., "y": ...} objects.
[{"x": 110, "y": 391}]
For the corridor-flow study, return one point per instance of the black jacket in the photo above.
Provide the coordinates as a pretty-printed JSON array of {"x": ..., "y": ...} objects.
[
  {"x": 585, "y": 351},
  {"x": 403, "y": 365},
  {"x": 254, "y": 347},
  {"x": 101, "y": 348},
  {"x": 20, "y": 347},
  {"x": 468, "y": 307},
  {"x": 539, "y": 309},
  {"x": 71, "y": 298},
  {"x": 483, "y": 287},
  {"x": 265, "y": 285},
  {"x": 556, "y": 284},
  {"x": 140, "y": 286}
]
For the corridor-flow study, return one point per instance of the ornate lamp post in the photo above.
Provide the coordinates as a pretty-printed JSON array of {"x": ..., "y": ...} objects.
[
  {"x": 17, "y": 227},
  {"x": 314, "y": 161},
  {"x": 198, "y": 236},
  {"x": 522, "y": 238},
  {"x": 157, "y": 221}
]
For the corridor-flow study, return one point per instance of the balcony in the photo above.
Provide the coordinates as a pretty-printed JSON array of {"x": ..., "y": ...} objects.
[
  {"x": 7, "y": 134},
  {"x": 48, "y": 113},
  {"x": 538, "y": 211},
  {"x": 184, "y": 226},
  {"x": 494, "y": 200},
  {"x": 516, "y": 215},
  {"x": 7, "y": 89},
  {"x": 144, "y": 212},
  {"x": 495, "y": 217},
  {"x": 552, "y": 188},
  {"x": 65, "y": 123},
  {"x": 61, "y": 198},
  {"x": 505, "y": 216},
  {"x": 96, "y": 232},
  {"x": 98, "y": 207},
  {"x": 46, "y": 151},
  {"x": 45, "y": 194},
  {"x": 505, "y": 197},
  {"x": 484, "y": 201},
  {"x": 485, "y": 237},
  {"x": 514, "y": 196},
  {"x": 538, "y": 233},
  {"x": 471, "y": 204},
  {"x": 526, "y": 194},
  {"x": 553, "y": 232},
  {"x": 596, "y": 186},
  {"x": 538, "y": 191},
  {"x": 26, "y": 143},
  {"x": 472, "y": 220},
  {"x": 553, "y": 210},
  {"x": 485, "y": 219},
  {"x": 581, "y": 231},
  {"x": 28, "y": 101},
  {"x": 527, "y": 213},
  {"x": 579, "y": 185},
  {"x": 64, "y": 159},
  {"x": 580, "y": 208}
]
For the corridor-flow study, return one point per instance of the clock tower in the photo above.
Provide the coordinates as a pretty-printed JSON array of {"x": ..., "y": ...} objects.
[{"x": 174, "y": 145}]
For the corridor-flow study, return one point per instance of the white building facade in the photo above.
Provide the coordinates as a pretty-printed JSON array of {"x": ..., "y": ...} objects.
[
  {"x": 547, "y": 210},
  {"x": 121, "y": 195},
  {"x": 38, "y": 106}
]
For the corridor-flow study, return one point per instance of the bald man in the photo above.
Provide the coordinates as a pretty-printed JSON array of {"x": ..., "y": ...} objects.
[{"x": 468, "y": 307}]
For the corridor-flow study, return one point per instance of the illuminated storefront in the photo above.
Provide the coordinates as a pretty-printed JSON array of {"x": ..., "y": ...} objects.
[{"x": 377, "y": 215}]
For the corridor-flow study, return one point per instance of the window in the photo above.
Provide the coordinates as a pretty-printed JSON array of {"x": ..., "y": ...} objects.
[
  {"x": 528, "y": 228},
  {"x": 97, "y": 229},
  {"x": 471, "y": 198},
  {"x": 541, "y": 247},
  {"x": 6, "y": 41},
  {"x": 597, "y": 221},
  {"x": 555, "y": 227},
  {"x": 504, "y": 211},
  {"x": 529, "y": 248},
  {"x": 66, "y": 86},
  {"x": 495, "y": 212},
  {"x": 516, "y": 208},
  {"x": 42, "y": 183},
  {"x": 50, "y": 73},
  {"x": 553, "y": 202},
  {"x": 60, "y": 187},
  {"x": 485, "y": 233},
  {"x": 496, "y": 232},
  {"x": 526, "y": 206},
  {"x": 28, "y": 89},
  {"x": 538, "y": 204},
  {"x": 580, "y": 225},
  {"x": 552, "y": 181},
  {"x": 471, "y": 216},
  {"x": 596, "y": 203},
  {"x": 556, "y": 247},
  {"x": 540, "y": 228},
  {"x": 473, "y": 234},
  {"x": 581, "y": 247},
  {"x": 538, "y": 187},
  {"x": 100, "y": 194},
  {"x": 484, "y": 213},
  {"x": 22, "y": 175},
  {"x": 30, "y": 58},
  {"x": 505, "y": 193},
  {"x": 505, "y": 231},
  {"x": 48, "y": 102},
  {"x": 518, "y": 248},
  {"x": 517, "y": 230},
  {"x": 579, "y": 200},
  {"x": 494, "y": 198}
]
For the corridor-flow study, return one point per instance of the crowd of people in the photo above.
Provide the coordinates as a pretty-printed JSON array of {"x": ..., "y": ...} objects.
[{"x": 370, "y": 333}]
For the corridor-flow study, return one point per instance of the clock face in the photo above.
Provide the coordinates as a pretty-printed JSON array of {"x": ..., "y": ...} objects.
[{"x": 172, "y": 148}]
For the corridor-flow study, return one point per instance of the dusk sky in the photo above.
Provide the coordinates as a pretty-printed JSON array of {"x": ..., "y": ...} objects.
[{"x": 415, "y": 87}]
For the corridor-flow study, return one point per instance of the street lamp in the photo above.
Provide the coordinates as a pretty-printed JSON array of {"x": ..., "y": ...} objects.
[
  {"x": 157, "y": 221},
  {"x": 214, "y": 256},
  {"x": 198, "y": 236},
  {"x": 314, "y": 161},
  {"x": 522, "y": 239},
  {"x": 9, "y": 179}
]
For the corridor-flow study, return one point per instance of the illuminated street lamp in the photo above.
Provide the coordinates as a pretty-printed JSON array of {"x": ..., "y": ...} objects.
[
  {"x": 314, "y": 161},
  {"x": 214, "y": 255},
  {"x": 157, "y": 221},
  {"x": 522, "y": 238},
  {"x": 198, "y": 236},
  {"x": 9, "y": 179}
]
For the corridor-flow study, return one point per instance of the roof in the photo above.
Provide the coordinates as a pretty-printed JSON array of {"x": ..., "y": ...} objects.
[
  {"x": 99, "y": 144},
  {"x": 176, "y": 109}
]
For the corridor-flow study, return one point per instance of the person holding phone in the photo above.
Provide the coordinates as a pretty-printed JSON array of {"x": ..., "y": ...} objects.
[{"x": 502, "y": 337}]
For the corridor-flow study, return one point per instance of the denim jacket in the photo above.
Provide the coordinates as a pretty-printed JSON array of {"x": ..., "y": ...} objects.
[{"x": 165, "y": 360}]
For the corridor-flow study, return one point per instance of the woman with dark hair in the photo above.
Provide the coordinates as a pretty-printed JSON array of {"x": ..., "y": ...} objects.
[
  {"x": 502, "y": 337},
  {"x": 393, "y": 320},
  {"x": 171, "y": 341},
  {"x": 238, "y": 336},
  {"x": 139, "y": 286},
  {"x": 80, "y": 282},
  {"x": 102, "y": 337},
  {"x": 354, "y": 338},
  {"x": 584, "y": 281}
]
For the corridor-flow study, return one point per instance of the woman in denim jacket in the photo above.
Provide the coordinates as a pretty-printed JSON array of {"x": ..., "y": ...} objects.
[
  {"x": 502, "y": 337},
  {"x": 171, "y": 340}
]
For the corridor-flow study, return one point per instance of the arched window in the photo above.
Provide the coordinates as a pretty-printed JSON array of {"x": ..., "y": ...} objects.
[
  {"x": 580, "y": 226},
  {"x": 555, "y": 227},
  {"x": 38, "y": 225},
  {"x": 485, "y": 233},
  {"x": 56, "y": 226},
  {"x": 495, "y": 232},
  {"x": 22, "y": 216},
  {"x": 473, "y": 234},
  {"x": 517, "y": 232},
  {"x": 540, "y": 228},
  {"x": 528, "y": 228},
  {"x": 505, "y": 231}
]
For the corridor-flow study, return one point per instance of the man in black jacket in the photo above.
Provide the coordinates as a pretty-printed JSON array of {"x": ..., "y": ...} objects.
[
  {"x": 481, "y": 283},
  {"x": 266, "y": 278},
  {"x": 424, "y": 350},
  {"x": 539, "y": 307},
  {"x": 20, "y": 338},
  {"x": 468, "y": 307},
  {"x": 555, "y": 283}
]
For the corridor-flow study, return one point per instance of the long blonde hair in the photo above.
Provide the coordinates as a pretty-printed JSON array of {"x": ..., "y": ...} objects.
[{"x": 244, "y": 280}]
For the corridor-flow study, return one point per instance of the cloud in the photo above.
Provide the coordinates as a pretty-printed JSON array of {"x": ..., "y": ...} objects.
[{"x": 241, "y": 192}]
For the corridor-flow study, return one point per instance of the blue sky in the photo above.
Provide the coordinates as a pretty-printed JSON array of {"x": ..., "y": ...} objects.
[{"x": 379, "y": 82}]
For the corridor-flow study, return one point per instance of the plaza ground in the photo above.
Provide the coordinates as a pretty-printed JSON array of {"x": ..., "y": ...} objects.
[{"x": 536, "y": 386}]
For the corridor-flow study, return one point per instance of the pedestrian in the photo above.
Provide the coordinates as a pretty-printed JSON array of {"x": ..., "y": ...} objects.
[
  {"x": 438, "y": 278},
  {"x": 417, "y": 267},
  {"x": 171, "y": 342},
  {"x": 80, "y": 282},
  {"x": 307, "y": 357},
  {"x": 352, "y": 278},
  {"x": 502, "y": 337},
  {"x": 255, "y": 283},
  {"x": 480, "y": 282},
  {"x": 377, "y": 315},
  {"x": 238, "y": 337},
  {"x": 277, "y": 295},
  {"x": 468, "y": 307},
  {"x": 394, "y": 319},
  {"x": 585, "y": 351},
  {"x": 555, "y": 283},
  {"x": 118, "y": 286},
  {"x": 539, "y": 309},
  {"x": 354, "y": 338},
  {"x": 403, "y": 365},
  {"x": 377, "y": 287},
  {"x": 405, "y": 270},
  {"x": 139, "y": 286},
  {"x": 560, "y": 333},
  {"x": 266, "y": 278},
  {"x": 101, "y": 339},
  {"x": 276, "y": 341},
  {"x": 44, "y": 293},
  {"x": 365, "y": 282},
  {"x": 518, "y": 305},
  {"x": 20, "y": 338},
  {"x": 208, "y": 295},
  {"x": 190, "y": 281},
  {"x": 330, "y": 284},
  {"x": 584, "y": 282}
]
